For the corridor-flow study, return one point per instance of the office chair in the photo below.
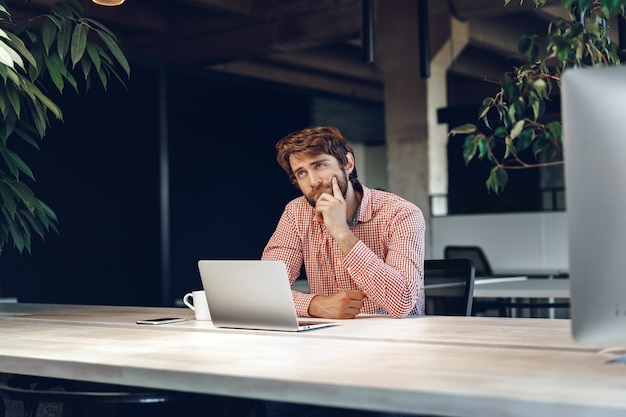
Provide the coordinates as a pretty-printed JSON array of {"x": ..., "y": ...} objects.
[
  {"x": 504, "y": 307},
  {"x": 64, "y": 397},
  {"x": 449, "y": 286},
  {"x": 474, "y": 254}
]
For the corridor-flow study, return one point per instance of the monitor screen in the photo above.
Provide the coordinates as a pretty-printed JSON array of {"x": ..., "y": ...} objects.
[{"x": 594, "y": 135}]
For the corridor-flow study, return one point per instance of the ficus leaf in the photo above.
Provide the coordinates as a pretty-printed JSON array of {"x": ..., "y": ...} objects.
[
  {"x": 498, "y": 177},
  {"x": 19, "y": 46},
  {"x": 25, "y": 194},
  {"x": 97, "y": 25},
  {"x": 463, "y": 129},
  {"x": 577, "y": 29},
  {"x": 555, "y": 129},
  {"x": 524, "y": 139},
  {"x": 469, "y": 149},
  {"x": 517, "y": 129},
  {"x": 533, "y": 52},
  {"x": 16, "y": 235},
  {"x": 115, "y": 50},
  {"x": 79, "y": 43},
  {"x": 523, "y": 44},
  {"x": 48, "y": 33},
  {"x": 8, "y": 198},
  {"x": 93, "y": 53},
  {"x": 482, "y": 148},
  {"x": 85, "y": 65},
  {"x": 14, "y": 99},
  {"x": 500, "y": 132},
  {"x": 64, "y": 39},
  {"x": 55, "y": 69}
]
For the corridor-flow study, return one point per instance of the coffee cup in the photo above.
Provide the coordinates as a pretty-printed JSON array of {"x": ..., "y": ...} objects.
[{"x": 196, "y": 300}]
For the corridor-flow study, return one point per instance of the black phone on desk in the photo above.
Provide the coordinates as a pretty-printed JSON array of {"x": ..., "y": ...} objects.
[{"x": 162, "y": 320}]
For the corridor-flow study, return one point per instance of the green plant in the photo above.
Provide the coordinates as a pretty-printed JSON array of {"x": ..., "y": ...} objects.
[
  {"x": 56, "y": 50},
  {"x": 517, "y": 134}
]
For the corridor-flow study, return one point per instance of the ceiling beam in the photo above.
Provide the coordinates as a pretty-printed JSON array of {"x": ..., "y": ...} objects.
[
  {"x": 242, "y": 7},
  {"x": 307, "y": 78},
  {"x": 214, "y": 41},
  {"x": 474, "y": 9}
]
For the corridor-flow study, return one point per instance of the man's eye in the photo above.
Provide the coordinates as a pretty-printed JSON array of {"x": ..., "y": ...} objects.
[
  {"x": 320, "y": 165},
  {"x": 301, "y": 174}
]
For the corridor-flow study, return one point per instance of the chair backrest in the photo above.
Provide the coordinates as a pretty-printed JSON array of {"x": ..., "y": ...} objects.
[
  {"x": 474, "y": 254},
  {"x": 449, "y": 286}
]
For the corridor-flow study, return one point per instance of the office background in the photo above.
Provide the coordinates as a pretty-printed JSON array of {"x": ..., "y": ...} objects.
[{"x": 102, "y": 172}]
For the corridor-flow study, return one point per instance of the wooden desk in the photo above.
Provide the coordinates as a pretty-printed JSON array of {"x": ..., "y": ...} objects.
[
  {"x": 490, "y": 331},
  {"x": 440, "y": 372}
]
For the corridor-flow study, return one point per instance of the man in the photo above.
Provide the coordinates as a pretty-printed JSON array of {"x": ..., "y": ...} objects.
[{"x": 362, "y": 249}]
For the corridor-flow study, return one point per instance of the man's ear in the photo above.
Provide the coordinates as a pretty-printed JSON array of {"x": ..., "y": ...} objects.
[{"x": 349, "y": 167}]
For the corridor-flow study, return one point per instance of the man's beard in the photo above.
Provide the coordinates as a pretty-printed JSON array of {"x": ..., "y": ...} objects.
[{"x": 342, "y": 181}]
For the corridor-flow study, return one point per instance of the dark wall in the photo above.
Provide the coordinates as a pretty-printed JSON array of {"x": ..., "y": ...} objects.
[
  {"x": 99, "y": 171},
  {"x": 467, "y": 192},
  {"x": 227, "y": 189}
]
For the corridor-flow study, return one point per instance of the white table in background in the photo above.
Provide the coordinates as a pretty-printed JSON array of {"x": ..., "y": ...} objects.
[{"x": 527, "y": 288}]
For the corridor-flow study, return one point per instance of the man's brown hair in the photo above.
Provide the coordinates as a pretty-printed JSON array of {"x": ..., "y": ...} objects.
[{"x": 315, "y": 141}]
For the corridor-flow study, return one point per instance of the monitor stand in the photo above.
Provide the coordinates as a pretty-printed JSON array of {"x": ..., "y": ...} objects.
[
  {"x": 620, "y": 359},
  {"x": 618, "y": 353}
]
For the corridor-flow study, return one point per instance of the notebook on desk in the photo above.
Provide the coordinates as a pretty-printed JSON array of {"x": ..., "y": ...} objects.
[{"x": 252, "y": 295}]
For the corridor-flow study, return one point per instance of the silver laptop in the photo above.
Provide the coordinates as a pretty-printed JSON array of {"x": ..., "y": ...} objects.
[{"x": 252, "y": 295}]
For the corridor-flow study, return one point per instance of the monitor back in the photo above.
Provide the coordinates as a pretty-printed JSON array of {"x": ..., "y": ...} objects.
[{"x": 594, "y": 135}]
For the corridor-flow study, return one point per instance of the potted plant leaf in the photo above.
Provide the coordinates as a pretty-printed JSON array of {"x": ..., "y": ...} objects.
[
  {"x": 515, "y": 134},
  {"x": 40, "y": 56}
]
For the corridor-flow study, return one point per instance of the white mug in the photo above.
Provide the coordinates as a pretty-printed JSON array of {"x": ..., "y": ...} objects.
[{"x": 198, "y": 304}]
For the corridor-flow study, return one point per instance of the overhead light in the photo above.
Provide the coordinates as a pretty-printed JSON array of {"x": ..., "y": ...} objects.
[{"x": 108, "y": 2}]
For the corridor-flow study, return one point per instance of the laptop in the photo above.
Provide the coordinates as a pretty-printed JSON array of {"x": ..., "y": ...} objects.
[{"x": 252, "y": 294}]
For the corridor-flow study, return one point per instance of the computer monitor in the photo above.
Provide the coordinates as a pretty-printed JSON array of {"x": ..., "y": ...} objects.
[{"x": 594, "y": 134}]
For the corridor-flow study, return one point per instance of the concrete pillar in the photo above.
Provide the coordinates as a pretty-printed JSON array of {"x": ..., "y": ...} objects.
[
  {"x": 406, "y": 123},
  {"x": 437, "y": 99},
  {"x": 416, "y": 144}
]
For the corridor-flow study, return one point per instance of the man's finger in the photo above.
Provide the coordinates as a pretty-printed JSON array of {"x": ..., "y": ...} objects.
[
  {"x": 356, "y": 295},
  {"x": 336, "y": 189}
]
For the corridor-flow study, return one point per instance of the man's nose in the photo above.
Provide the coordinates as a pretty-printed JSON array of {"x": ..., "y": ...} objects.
[{"x": 315, "y": 180}]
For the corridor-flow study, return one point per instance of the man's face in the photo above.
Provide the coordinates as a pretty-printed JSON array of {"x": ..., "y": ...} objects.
[{"x": 314, "y": 174}]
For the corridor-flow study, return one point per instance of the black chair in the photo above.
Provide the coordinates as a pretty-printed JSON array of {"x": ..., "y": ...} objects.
[
  {"x": 474, "y": 254},
  {"x": 504, "y": 307},
  {"x": 76, "y": 398},
  {"x": 483, "y": 306},
  {"x": 449, "y": 286}
]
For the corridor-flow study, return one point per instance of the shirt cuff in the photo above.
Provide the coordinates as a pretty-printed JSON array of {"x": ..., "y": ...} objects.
[{"x": 301, "y": 302}]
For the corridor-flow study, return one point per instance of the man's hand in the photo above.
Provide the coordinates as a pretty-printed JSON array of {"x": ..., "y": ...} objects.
[
  {"x": 331, "y": 209},
  {"x": 342, "y": 305}
]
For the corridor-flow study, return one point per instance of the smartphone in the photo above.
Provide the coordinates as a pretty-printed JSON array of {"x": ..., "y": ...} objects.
[{"x": 162, "y": 320}]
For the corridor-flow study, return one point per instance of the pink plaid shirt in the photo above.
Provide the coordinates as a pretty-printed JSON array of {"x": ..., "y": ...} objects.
[{"x": 387, "y": 262}]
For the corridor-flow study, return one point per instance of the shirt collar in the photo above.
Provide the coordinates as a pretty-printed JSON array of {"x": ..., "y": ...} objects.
[{"x": 365, "y": 208}]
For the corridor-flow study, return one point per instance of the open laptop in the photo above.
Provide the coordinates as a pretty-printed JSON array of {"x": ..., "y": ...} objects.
[{"x": 251, "y": 295}]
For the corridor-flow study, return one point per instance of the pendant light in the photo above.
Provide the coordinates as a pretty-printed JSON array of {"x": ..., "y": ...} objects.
[{"x": 108, "y": 2}]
